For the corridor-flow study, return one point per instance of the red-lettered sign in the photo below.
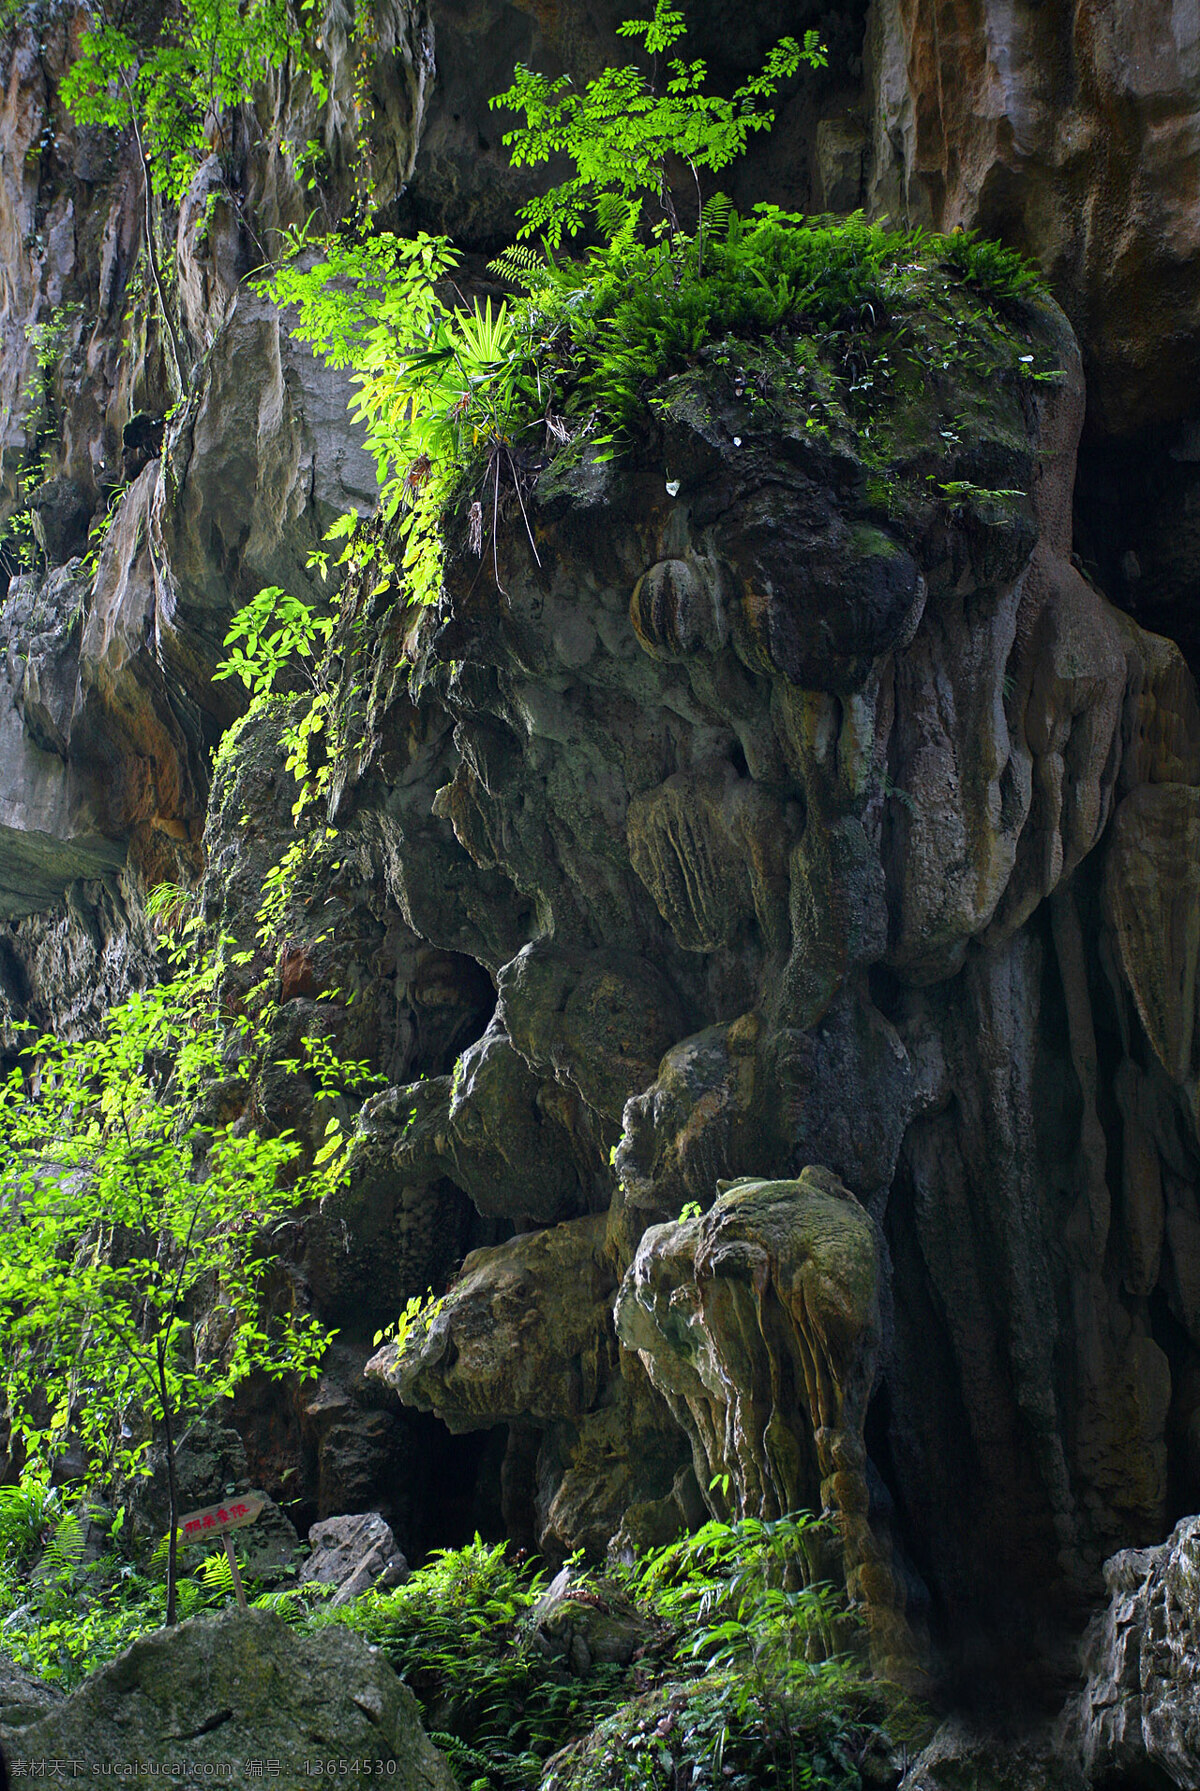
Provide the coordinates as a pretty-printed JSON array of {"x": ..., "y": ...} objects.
[{"x": 216, "y": 1521}]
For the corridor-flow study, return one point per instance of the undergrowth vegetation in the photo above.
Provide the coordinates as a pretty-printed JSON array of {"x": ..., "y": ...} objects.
[
  {"x": 139, "y": 1208},
  {"x": 75, "y": 1588},
  {"x": 730, "y": 1675}
]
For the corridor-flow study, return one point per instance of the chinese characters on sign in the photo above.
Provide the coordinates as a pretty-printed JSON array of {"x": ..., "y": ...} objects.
[{"x": 215, "y": 1522}]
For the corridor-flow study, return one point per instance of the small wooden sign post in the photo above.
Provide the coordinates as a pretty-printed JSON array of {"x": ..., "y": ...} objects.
[{"x": 217, "y": 1521}]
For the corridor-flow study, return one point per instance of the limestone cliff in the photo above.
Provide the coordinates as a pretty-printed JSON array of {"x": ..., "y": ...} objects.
[{"x": 772, "y": 907}]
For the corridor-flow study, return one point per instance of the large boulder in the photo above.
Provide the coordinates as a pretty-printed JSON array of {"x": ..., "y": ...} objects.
[
  {"x": 1137, "y": 1719},
  {"x": 959, "y": 1758},
  {"x": 243, "y": 1696},
  {"x": 23, "y": 1699},
  {"x": 584, "y": 1623}
]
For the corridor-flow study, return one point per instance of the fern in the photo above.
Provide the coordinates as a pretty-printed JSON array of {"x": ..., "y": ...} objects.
[
  {"x": 1002, "y": 274},
  {"x": 521, "y": 265},
  {"x": 190, "y": 1600},
  {"x": 717, "y": 214},
  {"x": 63, "y": 1552},
  {"x": 26, "y": 1512},
  {"x": 217, "y": 1575}
]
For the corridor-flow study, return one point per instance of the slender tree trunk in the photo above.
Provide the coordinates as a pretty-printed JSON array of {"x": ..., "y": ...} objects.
[
  {"x": 172, "y": 1487},
  {"x": 699, "y": 221},
  {"x": 151, "y": 247}
]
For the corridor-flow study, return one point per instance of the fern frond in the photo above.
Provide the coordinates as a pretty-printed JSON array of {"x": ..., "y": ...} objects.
[
  {"x": 717, "y": 214},
  {"x": 63, "y": 1552},
  {"x": 217, "y": 1574},
  {"x": 521, "y": 265}
]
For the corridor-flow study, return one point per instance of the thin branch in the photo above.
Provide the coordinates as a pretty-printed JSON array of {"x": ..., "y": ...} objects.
[
  {"x": 496, "y": 524},
  {"x": 151, "y": 251},
  {"x": 699, "y": 220},
  {"x": 517, "y": 488}
]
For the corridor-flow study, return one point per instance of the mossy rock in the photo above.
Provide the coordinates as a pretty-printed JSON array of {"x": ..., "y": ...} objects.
[{"x": 237, "y": 1698}]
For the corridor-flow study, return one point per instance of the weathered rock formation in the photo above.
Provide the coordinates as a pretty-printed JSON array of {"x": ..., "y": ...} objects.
[
  {"x": 244, "y": 1696},
  {"x": 1071, "y": 130},
  {"x": 837, "y": 798},
  {"x": 23, "y": 1699},
  {"x": 352, "y": 1554},
  {"x": 759, "y": 1324},
  {"x": 809, "y": 815},
  {"x": 1137, "y": 1714}
]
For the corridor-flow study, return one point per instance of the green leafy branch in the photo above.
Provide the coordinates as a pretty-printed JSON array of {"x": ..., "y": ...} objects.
[
  {"x": 174, "y": 95},
  {"x": 621, "y": 133}
]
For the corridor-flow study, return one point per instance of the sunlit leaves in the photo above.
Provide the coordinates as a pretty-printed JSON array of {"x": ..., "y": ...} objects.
[
  {"x": 621, "y": 130},
  {"x": 210, "y": 57},
  {"x": 125, "y": 1213}
]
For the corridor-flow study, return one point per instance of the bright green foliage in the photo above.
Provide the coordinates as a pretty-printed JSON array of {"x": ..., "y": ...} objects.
[
  {"x": 120, "y": 1205},
  {"x": 998, "y": 272},
  {"x": 708, "y": 1733},
  {"x": 437, "y": 385},
  {"x": 613, "y": 327},
  {"x": 70, "y": 1615},
  {"x": 737, "y": 1585},
  {"x": 210, "y": 57},
  {"x": 175, "y": 93},
  {"x": 416, "y": 1318},
  {"x": 735, "y": 1687},
  {"x": 748, "y": 1607},
  {"x": 458, "y": 1633},
  {"x": 27, "y": 1517},
  {"x": 443, "y": 387},
  {"x": 271, "y": 632},
  {"x": 273, "y": 635},
  {"x": 620, "y": 132},
  {"x": 617, "y": 324},
  {"x": 761, "y": 1706},
  {"x": 462, "y": 406}
]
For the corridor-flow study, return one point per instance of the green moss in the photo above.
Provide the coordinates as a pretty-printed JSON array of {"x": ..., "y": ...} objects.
[{"x": 842, "y": 309}]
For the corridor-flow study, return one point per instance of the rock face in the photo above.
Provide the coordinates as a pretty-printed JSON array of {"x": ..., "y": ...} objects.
[
  {"x": 238, "y": 1692},
  {"x": 1072, "y": 131},
  {"x": 832, "y": 829},
  {"x": 352, "y": 1554},
  {"x": 1139, "y": 1712},
  {"x": 806, "y": 820},
  {"x": 23, "y": 1699}
]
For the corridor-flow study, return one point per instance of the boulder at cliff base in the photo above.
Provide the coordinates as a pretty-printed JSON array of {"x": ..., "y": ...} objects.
[{"x": 238, "y": 1699}]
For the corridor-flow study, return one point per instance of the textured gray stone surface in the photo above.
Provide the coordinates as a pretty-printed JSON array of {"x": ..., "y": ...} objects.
[
  {"x": 962, "y": 1759},
  {"x": 23, "y": 1699},
  {"x": 352, "y": 1554},
  {"x": 245, "y": 1697},
  {"x": 1139, "y": 1711}
]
